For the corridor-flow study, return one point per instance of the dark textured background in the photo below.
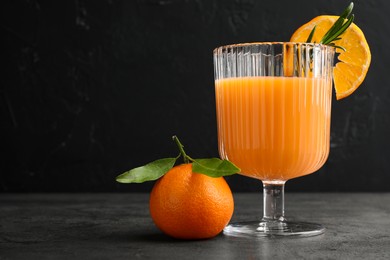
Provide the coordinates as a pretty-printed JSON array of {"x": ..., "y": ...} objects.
[{"x": 90, "y": 89}]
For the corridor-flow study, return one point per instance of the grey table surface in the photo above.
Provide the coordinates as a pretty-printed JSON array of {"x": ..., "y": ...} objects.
[{"x": 118, "y": 226}]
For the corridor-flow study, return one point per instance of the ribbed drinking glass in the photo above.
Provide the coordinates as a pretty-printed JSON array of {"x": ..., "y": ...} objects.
[{"x": 273, "y": 115}]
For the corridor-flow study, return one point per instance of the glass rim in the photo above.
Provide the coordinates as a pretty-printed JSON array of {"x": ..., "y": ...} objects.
[{"x": 246, "y": 44}]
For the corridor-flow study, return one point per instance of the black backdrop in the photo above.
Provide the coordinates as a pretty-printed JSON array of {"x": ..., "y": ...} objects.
[{"x": 90, "y": 89}]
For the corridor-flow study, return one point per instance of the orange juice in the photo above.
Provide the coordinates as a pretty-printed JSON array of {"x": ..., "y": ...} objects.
[{"x": 274, "y": 128}]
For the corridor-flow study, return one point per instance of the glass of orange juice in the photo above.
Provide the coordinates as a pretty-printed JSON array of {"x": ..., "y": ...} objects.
[{"x": 273, "y": 114}]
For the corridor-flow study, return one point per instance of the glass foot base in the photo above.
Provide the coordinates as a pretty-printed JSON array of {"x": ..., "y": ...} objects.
[{"x": 273, "y": 228}]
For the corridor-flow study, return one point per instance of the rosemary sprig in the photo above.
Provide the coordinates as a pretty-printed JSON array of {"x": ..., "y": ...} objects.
[{"x": 338, "y": 28}]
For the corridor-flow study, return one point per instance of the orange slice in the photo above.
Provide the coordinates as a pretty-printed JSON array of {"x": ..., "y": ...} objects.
[{"x": 353, "y": 63}]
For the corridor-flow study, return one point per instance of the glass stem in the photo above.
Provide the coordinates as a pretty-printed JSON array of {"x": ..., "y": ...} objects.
[{"x": 273, "y": 201}]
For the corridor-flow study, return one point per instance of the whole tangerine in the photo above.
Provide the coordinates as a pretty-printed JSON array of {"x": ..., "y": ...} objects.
[{"x": 189, "y": 205}]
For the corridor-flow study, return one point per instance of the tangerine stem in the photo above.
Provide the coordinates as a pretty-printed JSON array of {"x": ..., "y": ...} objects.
[{"x": 186, "y": 158}]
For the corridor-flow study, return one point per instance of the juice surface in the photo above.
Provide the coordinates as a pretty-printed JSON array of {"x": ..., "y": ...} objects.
[{"x": 274, "y": 128}]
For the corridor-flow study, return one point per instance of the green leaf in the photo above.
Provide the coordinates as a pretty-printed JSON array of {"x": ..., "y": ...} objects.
[
  {"x": 214, "y": 167},
  {"x": 311, "y": 34},
  {"x": 336, "y": 46},
  {"x": 344, "y": 16},
  {"x": 337, "y": 29},
  {"x": 340, "y": 30},
  {"x": 149, "y": 172}
]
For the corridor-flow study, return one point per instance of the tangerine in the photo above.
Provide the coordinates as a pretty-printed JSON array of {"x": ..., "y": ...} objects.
[{"x": 188, "y": 205}]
